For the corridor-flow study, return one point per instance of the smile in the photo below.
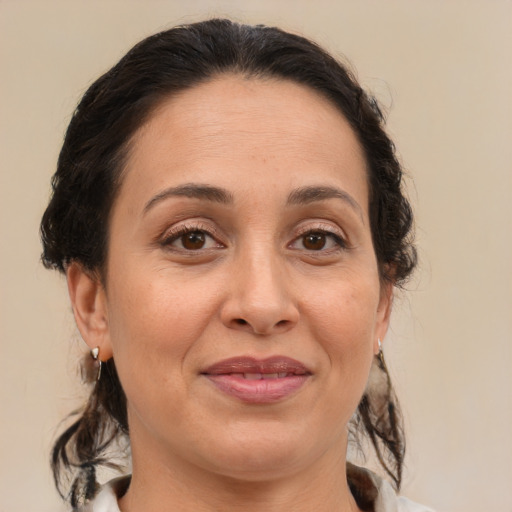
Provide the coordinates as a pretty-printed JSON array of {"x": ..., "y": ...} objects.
[{"x": 258, "y": 381}]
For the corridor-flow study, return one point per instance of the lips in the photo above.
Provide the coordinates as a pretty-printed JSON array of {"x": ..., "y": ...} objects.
[
  {"x": 258, "y": 381},
  {"x": 259, "y": 376}
]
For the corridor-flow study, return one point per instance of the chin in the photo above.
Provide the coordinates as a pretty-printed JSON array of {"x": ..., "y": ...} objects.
[{"x": 264, "y": 452}]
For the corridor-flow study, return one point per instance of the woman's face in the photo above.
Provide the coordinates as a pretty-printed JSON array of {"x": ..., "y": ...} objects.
[{"x": 243, "y": 301}]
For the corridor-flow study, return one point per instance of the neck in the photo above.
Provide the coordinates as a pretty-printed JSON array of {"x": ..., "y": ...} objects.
[{"x": 160, "y": 485}]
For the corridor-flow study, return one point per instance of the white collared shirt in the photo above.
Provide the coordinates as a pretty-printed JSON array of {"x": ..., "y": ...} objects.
[{"x": 386, "y": 501}]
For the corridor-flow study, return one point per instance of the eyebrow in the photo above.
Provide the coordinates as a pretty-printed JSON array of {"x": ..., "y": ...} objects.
[
  {"x": 306, "y": 195},
  {"x": 192, "y": 190},
  {"x": 299, "y": 196}
]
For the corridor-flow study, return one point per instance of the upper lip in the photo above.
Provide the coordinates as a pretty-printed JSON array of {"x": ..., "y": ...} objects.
[{"x": 246, "y": 364}]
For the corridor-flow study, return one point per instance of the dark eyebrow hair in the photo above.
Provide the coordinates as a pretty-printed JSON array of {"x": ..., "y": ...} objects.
[
  {"x": 306, "y": 195},
  {"x": 193, "y": 190}
]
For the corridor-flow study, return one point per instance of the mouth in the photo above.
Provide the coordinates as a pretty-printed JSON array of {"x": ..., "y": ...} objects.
[
  {"x": 263, "y": 376},
  {"x": 258, "y": 381}
]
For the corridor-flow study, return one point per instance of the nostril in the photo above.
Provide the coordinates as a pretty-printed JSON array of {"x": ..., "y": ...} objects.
[
  {"x": 281, "y": 323},
  {"x": 240, "y": 321}
]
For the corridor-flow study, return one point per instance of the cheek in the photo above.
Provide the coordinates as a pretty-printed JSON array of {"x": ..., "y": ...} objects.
[
  {"x": 153, "y": 323},
  {"x": 343, "y": 321},
  {"x": 345, "y": 314}
]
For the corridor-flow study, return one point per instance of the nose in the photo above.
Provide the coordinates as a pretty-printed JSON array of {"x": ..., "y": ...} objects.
[{"x": 260, "y": 299}]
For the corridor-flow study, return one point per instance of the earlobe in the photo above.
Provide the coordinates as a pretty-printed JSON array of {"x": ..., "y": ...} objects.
[{"x": 89, "y": 304}]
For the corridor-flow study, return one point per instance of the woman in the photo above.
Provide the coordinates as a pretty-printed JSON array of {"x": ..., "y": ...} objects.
[{"x": 227, "y": 209}]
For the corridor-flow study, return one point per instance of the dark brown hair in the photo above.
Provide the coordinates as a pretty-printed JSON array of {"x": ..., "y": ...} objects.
[{"x": 90, "y": 167}]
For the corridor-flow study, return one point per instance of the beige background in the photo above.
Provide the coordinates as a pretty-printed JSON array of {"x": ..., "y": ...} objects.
[{"x": 444, "y": 71}]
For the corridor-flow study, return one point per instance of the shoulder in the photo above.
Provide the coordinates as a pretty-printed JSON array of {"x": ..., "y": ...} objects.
[
  {"x": 106, "y": 499},
  {"x": 370, "y": 490},
  {"x": 406, "y": 505},
  {"x": 388, "y": 501}
]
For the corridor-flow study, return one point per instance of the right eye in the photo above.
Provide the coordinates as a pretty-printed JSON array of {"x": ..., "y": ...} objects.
[{"x": 190, "y": 239}]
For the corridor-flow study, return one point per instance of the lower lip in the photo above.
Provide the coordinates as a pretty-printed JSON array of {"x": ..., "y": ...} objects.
[{"x": 262, "y": 391}]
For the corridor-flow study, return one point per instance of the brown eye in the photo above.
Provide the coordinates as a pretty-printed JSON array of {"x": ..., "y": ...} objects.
[
  {"x": 193, "y": 240},
  {"x": 314, "y": 241},
  {"x": 319, "y": 240},
  {"x": 190, "y": 239}
]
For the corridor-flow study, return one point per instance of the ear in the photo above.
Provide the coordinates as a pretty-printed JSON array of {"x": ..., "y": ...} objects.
[
  {"x": 383, "y": 313},
  {"x": 89, "y": 303}
]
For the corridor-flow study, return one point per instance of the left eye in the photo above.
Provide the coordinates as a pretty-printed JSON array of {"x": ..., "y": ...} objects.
[
  {"x": 318, "y": 241},
  {"x": 191, "y": 240}
]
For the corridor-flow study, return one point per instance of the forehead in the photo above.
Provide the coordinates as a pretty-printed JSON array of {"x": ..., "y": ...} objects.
[{"x": 233, "y": 128}]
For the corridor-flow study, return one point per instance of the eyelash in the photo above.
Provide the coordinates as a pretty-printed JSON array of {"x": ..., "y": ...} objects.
[
  {"x": 175, "y": 234},
  {"x": 340, "y": 242}
]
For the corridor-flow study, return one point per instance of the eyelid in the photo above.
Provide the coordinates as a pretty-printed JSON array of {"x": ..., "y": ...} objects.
[
  {"x": 323, "y": 226},
  {"x": 326, "y": 228},
  {"x": 174, "y": 232},
  {"x": 186, "y": 226}
]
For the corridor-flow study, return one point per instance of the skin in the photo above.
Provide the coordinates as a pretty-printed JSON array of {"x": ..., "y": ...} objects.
[{"x": 257, "y": 287}]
